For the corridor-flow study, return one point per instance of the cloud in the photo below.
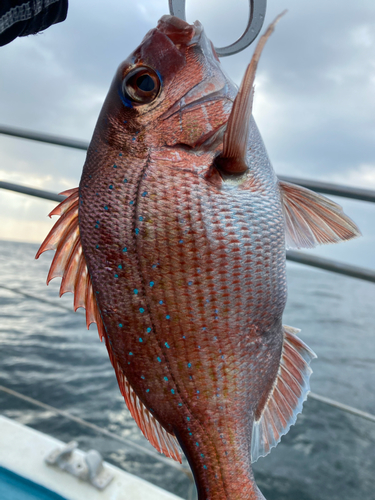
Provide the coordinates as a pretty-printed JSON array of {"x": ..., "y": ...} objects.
[
  {"x": 363, "y": 175},
  {"x": 314, "y": 100}
]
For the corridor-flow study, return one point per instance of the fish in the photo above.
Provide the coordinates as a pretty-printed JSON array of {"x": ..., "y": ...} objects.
[{"x": 175, "y": 244}]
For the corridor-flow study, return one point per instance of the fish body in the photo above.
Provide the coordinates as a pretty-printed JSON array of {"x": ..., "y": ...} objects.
[{"x": 183, "y": 262}]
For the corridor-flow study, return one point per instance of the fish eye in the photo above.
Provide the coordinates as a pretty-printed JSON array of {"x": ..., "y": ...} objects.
[{"x": 141, "y": 85}]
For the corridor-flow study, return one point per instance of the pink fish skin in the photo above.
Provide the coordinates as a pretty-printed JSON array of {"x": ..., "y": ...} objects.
[
  {"x": 191, "y": 279},
  {"x": 184, "y": 242}
]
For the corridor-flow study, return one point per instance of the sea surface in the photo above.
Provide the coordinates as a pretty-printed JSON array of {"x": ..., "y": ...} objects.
[{"x": 47, "y": 353}]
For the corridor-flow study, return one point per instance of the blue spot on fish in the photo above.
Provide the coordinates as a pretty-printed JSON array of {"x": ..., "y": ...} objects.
[
  {"x": 181, "y": 241},
  {"x": 160, "y": 301},
  {"x": 120, "y": 266},
  {"x": 168, "y": 317},
  {"x": 147, "y": 390},
  {"x": 125, "y": 181},
  {"x": 188, "y": 418},
  {"x": 148, "y": 330},
  {"x": 116, "y": 275},
  {"x": 141, "y": 310},
  {"x": 152, "y": 284},
  {"x": 135, "y": 291},
  {"x": 105, "y": 207},
  {"x": 189, "y": 365},
  {"x": 131, "y": 202},
  {"x": 140, "y": 340},
  {"x": 97, "y": 246},
  {"x": 110, "y": 186},
  {"x": 140, "y": 218},
  {"x": 124, "y": 249},
  {"x": 115, "y": 166},
  {"x": 172, "y": 391},
  {"x": 130, "y": 354},
  {"x": 120, "y": 325},
  {"x": 144, "y": 193},
  {"x": 142, "y": 377},
  {"x": 166, "y": 345},
  {"x": 166, "y": 379},
  {"x": 158, "y": 359},
  {"x": 136, "y": 230},
  {"x": 190, "y": 283}
]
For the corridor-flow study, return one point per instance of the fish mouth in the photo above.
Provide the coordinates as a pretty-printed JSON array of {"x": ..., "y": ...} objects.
[{"x": 215, "y": 85}]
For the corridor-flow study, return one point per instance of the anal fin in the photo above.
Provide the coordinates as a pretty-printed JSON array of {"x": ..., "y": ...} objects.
[{"x": 285, "y": 401}]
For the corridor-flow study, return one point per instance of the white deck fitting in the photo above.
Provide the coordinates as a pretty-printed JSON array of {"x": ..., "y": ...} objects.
[{"x": 23, "y": 450}]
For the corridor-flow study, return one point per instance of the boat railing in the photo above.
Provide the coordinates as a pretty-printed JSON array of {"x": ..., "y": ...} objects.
[{"x": 298, "y": 257}]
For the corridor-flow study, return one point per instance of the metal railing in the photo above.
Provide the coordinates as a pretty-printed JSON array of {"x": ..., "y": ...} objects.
[
  {"x": 321, "y": 187},
  {"x": 299, "y": 257},
  {"x": 318, "y": 397}
]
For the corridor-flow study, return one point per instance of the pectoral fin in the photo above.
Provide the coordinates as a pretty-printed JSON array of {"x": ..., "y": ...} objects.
[
  {"x": 233, "y": 158},
  {"x": 285, "y": 401},
  {"x": 312, "y": 219}
]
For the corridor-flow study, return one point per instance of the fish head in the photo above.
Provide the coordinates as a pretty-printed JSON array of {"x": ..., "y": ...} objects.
[{"x": 170, "y": 91}]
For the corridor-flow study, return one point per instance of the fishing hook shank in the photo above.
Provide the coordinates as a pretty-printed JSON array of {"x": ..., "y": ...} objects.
[{"x": 254, "y": 25}]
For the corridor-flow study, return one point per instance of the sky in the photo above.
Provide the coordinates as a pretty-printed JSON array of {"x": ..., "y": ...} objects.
[{"x": 314, "y": 98}]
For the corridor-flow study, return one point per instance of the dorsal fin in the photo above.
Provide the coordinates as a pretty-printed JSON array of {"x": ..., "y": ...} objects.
[
  {"x": 69, "y": 263},
  {"x": 312, "y": 219},
  {"x": 285, "y": 401}
]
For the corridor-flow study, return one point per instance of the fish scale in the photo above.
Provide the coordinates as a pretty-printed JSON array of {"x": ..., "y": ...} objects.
[
  {"x": 212, "y": 241},
  {"x": 180, "y": 259},
  {"x": 161, "y": 248}
]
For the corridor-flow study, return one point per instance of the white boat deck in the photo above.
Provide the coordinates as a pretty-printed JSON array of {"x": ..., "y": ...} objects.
[{"x": 23, "y": 451}]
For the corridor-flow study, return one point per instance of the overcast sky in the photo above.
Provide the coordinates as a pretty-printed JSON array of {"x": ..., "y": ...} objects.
[{"x": 314, "y": 101}]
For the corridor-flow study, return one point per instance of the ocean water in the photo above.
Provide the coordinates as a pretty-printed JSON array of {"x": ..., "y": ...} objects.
[{"x": 47, "y": 353}]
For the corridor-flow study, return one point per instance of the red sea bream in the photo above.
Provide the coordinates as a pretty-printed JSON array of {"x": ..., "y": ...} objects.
[{"x": 175, "y": 242}]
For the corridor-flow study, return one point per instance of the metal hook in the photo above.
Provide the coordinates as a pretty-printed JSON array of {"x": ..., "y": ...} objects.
[{"x": 256, "y": 20}]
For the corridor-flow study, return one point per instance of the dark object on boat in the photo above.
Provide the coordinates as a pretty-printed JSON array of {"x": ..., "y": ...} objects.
[{"x": 22, "y": 18}]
